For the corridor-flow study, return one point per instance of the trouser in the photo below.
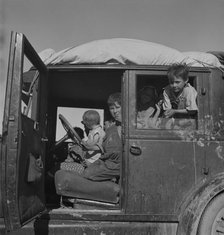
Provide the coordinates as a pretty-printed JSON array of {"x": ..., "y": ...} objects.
[{"x": 102, "y": 170}]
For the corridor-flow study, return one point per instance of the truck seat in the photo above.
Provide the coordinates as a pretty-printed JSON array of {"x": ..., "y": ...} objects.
[{"x": 71, "y": 184}]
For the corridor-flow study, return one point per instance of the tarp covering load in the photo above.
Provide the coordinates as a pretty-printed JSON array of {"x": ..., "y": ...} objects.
[{"x": 127, "y": 52}]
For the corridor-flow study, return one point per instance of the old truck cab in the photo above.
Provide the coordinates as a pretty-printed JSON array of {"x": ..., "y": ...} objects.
[{"x": 172, "y": 173}]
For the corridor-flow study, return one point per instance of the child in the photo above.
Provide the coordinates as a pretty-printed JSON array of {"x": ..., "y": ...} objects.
[
  {"x": 179, "y": 97},
  {"x": 148, "y": 109},
  {"x": 93, "y": 143}
]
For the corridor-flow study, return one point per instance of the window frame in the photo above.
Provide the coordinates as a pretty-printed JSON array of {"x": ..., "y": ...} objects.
[{"x": 162, "y": 134}]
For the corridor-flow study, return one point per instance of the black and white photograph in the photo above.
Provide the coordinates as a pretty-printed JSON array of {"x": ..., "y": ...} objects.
[{"x": 112, "y": 117}]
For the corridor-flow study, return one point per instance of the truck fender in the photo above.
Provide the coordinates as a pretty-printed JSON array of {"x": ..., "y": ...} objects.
[{"x": 192, "y": 209}]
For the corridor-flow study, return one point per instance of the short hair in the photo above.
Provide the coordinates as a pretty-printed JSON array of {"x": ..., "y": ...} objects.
[
  {"x": 113, "y": 98},
  {"x": 178, "y": 70},
  {"x": 90, "y": 118}
]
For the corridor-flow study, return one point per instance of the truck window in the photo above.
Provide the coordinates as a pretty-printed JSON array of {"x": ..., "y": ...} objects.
[
  {"x": 74, "y": 116},
  {"x": 29, "y": 106},
  {"x": 151, "y": 109}
]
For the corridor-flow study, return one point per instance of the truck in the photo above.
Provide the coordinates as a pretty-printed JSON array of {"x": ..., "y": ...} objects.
[{"x": 172, "y": 176}]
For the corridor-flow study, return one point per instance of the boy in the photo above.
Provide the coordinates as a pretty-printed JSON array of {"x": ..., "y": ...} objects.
[
  {"x": 179, "y": 97},
  {"x": 95, "y": 134},
  {"x": 92, "y": 144}
]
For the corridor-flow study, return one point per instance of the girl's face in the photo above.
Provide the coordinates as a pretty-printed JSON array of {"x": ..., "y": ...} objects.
[
  {"x": 115, "y": 110},
  {"x": 177, "y": 84}
]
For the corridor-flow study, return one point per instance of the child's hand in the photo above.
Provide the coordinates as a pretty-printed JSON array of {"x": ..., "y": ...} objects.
[{"x": 169, "y": 113}]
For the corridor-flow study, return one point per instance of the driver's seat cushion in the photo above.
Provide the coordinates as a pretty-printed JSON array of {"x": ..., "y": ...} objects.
[{"x": 72, "y": 184}]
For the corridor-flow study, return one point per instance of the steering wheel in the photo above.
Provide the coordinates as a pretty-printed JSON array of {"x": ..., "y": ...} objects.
[{"x": 70, "y": 132}]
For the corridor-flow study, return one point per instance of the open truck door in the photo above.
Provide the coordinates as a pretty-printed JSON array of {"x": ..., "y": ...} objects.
[{"x": 24, "y": 136}]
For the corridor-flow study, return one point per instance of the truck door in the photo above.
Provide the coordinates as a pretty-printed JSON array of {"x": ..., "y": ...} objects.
[
  {"x": 164, "y": 159},
  {"x": 24, "y": 136}
]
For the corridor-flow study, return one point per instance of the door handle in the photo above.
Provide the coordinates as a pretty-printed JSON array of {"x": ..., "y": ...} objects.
[{"x": 135, "y": 150}]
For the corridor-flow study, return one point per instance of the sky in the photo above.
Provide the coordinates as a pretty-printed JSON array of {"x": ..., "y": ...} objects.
[{"x": 186, "y": 25}]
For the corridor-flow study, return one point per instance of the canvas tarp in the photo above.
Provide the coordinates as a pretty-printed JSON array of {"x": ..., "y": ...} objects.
[{"x": 127, "y": 52}]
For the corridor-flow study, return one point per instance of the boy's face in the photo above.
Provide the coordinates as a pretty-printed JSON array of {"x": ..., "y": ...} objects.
[{"x": 177, "y": 84}]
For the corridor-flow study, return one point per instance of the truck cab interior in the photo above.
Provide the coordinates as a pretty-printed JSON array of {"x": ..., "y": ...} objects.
[
  {"x": 71, "y": 92},
  {"x": 77, "y": 91}
]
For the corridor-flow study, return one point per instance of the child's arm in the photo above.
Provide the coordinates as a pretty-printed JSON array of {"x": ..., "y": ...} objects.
[
  {"x": 170, "y": 112},
  {"x": 190, "y": 105},
  {"x": 92, "y": 142}
]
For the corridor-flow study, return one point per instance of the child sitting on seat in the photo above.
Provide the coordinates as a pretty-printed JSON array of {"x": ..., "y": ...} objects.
[
  {"x": 91, "y": 149},
  {"x": 95, "y": 134}
]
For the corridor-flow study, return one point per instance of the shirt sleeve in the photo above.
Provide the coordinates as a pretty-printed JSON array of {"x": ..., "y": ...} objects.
[
  {"x": 166, "y": 101},
  {"x": 191, "y": 97},
  {"x": 93, "y": 139}
]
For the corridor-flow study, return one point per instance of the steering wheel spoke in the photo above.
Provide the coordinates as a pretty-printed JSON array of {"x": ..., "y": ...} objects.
[
  {"x": 70, "y": 132},
  {"x": 64, "y": 138}
]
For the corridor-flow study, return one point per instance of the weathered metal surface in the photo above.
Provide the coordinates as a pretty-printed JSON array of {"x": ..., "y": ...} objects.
[
  {"x": 20, "y": 139},
  {"x": 46, "y": 227},
  {"x": 194, "y": 206}
]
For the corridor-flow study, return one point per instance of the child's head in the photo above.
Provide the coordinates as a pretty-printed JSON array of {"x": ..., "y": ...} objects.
[
  {"x": 147, "y": 97},
  {"x": 91, "y": 118},
  {"x": 178, "y": 76}
]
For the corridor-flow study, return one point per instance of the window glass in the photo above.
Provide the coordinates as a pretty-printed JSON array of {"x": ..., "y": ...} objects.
[
  {"x": 30, "y": 79},
  {"x": 74, "y": 117},
  {"x": 158, "y": 107}
]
